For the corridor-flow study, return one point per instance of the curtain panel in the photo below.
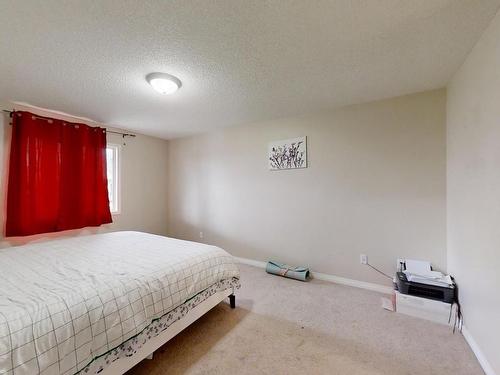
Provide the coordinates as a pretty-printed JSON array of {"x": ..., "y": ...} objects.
[{"x": 57, "y": 176}]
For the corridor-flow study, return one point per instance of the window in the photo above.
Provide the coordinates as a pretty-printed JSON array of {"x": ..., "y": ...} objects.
[{"x": 113, "y": 165}]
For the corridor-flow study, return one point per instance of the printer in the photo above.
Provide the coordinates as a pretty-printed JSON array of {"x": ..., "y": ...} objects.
[{"x": 417, "y": 278}]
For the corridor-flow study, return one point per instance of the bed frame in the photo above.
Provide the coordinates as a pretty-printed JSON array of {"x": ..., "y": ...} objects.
[{"x": 122, "y": 365}]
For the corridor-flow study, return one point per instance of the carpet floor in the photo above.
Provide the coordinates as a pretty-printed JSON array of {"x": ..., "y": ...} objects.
[{"x": 282, "y": 326}]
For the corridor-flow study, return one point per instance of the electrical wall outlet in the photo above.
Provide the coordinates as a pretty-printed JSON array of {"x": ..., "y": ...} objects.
[
  {"x": 363, "y": 259},
  {"x": 201, "y": 235},
  {"x": 398, "y": 264}
]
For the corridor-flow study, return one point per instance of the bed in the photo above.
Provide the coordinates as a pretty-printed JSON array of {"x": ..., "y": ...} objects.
[{"x": 102, "y": 303}]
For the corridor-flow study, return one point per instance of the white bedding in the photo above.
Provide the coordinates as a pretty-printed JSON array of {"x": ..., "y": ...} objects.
[{"x": 65, "y": 302}]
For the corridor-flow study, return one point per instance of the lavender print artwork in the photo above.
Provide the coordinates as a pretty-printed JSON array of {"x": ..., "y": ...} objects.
[{"x": 288, "y": 154}]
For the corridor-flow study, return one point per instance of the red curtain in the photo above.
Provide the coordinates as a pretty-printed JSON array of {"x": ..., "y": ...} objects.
[{"x": 57, "y": 176}]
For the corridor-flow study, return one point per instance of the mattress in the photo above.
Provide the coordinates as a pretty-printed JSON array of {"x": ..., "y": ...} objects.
[{"x": 65, "y": 303}]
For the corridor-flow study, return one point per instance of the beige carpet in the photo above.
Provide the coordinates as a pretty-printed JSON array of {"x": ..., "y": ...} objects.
[{"x": 281, "y": 326}]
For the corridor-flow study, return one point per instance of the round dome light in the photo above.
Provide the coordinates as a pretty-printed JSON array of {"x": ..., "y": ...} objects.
[{"x": 164, "y": 83}]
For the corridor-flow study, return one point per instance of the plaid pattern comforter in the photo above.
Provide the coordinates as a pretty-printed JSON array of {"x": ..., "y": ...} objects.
[{"x": 65, "y": 302}]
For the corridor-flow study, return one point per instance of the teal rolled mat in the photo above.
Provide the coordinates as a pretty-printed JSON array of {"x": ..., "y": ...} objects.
[{"x": 281, "y": 269}]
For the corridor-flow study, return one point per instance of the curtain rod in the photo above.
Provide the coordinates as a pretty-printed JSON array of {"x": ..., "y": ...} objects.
[{"x": 107, "y": 131}]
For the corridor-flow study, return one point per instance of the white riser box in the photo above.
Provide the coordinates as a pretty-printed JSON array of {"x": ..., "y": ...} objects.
[{"x": 424, "y": 308}]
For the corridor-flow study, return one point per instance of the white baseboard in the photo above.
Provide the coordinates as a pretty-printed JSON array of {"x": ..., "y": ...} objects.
[
  {"x": 251, "y": 262},
  {"x": 331, "y": 278},
  {"x": 488, "y": 370},
  {"x": 355, "y": 283}
]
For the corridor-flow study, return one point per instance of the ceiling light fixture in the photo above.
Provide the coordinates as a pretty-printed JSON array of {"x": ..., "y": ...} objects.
[{"x": 164, "y": 83}]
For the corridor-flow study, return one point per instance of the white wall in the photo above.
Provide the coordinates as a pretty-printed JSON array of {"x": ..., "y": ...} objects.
[
  {"x": 143, "y": 186},
  {"x": 473, "y": 144},
  {"x": 375, "y": 185}
]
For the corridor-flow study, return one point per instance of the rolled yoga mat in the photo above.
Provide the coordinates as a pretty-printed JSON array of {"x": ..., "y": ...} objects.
[{"x": 281, "y": 269}]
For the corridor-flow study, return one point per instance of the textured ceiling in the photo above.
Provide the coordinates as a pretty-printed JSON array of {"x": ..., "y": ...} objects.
[{"x": 240, "y": 61}]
